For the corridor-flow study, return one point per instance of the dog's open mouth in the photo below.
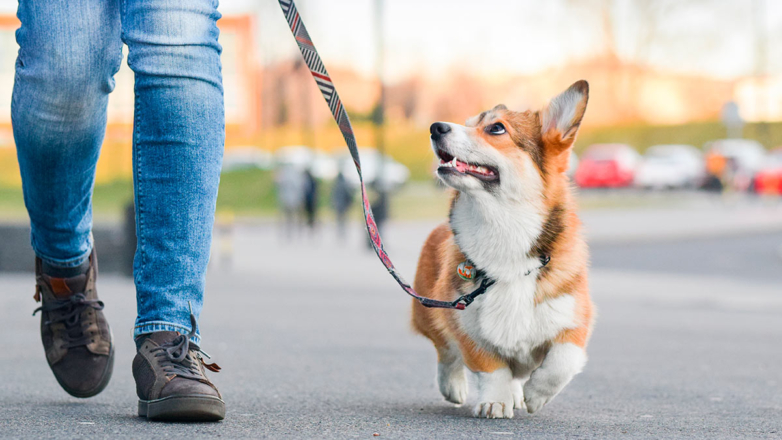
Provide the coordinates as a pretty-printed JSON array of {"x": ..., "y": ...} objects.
[{"x": 450, "y": 164}]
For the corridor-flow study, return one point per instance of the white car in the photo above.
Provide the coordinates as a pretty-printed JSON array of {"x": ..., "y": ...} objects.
[
  {"x": 240, "y": 158},
  {"x": 670, "y": 166},
  {"x": 394, "y": 173},
  {"x": 301, "y": 158}
]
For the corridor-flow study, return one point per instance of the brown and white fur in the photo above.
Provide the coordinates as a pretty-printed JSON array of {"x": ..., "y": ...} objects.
[{"x": 525, "y": 338}]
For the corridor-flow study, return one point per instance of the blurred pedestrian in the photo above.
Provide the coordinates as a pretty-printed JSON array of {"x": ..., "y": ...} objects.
[
  {"x": 68, "y": 55},
  {"x": 341, "y": 201},
  {"x": 290, "y": 184},
  {"x": 731, "y": 175},
  {"x": 310, "y": 199}
]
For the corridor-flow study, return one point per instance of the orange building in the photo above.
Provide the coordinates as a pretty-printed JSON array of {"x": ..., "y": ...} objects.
[
  {"x": 240, "y": 80},
  {"x": 242, "y": 103}
]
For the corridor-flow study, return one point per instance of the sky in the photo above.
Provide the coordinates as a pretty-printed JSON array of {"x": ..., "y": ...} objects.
[
  {"x": 497, "y": 37},
  {"x": 716, "y": 38}
]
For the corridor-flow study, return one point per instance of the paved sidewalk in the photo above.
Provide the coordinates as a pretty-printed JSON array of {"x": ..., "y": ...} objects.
[
  {"x": 314, "y": 342},
  {"x": 709, "y": 218}
]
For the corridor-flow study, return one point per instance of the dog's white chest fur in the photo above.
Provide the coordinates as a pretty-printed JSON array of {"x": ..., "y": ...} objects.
[{"x": 506, "y": 319}]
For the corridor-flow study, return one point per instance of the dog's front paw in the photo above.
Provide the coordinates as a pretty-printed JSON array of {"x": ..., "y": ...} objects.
[
  {"x": 455, "y": 390},
  {"x": 534, "y": 400},
  {"x": 494, "y": 410},
  {"x": 453, "y": 383}
]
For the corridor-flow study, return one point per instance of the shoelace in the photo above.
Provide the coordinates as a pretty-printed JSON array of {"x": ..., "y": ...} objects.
[
  {"x": 69, "y": 312},
  {"x": 177, "y": 360}
]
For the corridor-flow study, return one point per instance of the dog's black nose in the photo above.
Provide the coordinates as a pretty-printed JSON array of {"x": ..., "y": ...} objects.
[{"x": 438, "y": 129}]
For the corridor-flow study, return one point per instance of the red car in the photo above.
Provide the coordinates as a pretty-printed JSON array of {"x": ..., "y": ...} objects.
[
  {"x": 769, "y": 179},
  {"x": 607, "y": 166}
]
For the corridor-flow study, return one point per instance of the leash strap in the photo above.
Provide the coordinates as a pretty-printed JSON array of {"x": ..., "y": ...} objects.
[{"x": 329, "y": 92}]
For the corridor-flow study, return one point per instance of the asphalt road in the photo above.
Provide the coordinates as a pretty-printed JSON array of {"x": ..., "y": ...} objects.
[
  {"x": 314, "y": 342},
  {"x": 754, "y": 257}
]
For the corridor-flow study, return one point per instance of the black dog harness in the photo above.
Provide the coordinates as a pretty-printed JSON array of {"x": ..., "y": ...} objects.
[{"x": 467, "y": 271}]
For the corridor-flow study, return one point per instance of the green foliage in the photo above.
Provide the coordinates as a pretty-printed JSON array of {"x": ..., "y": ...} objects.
[
  {"x": 112, "y": 197},
  {"x": 247, "y": 192},
  {"x": 12, "y": 204},
  {"x": 252, "y": 192},
  {"x": 108, "y": 201}
]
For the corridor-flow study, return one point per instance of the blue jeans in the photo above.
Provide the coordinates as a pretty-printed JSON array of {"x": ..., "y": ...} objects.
[{"x": 69, "y": 53}]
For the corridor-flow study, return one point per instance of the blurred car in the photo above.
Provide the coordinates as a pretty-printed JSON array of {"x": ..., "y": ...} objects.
[
  {"x": 302, "y": 158},
  {"x": 607, "y": 166},
  {"x": 241, "y": 158},
  {"x": 743, "y": 159},
  {"x": 670, "y": 167},
  {"x": 394, "y": 173},
  {"x": 769, "y": 179}
]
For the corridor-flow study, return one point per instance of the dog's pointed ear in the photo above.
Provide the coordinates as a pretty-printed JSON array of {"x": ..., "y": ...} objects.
[{"x": 562, "y": 117}]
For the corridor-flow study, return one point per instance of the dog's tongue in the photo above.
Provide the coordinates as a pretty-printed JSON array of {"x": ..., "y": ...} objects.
[{"x": 461, "y": 166}]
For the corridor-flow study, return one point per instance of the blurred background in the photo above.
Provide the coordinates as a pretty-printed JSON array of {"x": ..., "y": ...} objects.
[
  {"x": 670, "y": 81},
  {"x": 678, "y": 167},
  {"x": 684, "y": 124}
]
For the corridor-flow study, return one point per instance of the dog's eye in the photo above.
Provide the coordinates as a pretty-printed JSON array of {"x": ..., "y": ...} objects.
[{"x": 496, "y": 128}]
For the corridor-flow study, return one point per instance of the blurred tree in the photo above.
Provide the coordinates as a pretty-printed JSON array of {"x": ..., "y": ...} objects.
[{"x": 641, "y": 23}]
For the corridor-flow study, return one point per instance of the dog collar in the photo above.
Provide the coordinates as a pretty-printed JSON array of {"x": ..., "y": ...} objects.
[{"x": 467, "y": 271}]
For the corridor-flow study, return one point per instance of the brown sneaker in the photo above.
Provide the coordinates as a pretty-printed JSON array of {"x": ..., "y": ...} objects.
[
  {"x": 76, "y": 336},
  {"x": 170, "y": 379}
]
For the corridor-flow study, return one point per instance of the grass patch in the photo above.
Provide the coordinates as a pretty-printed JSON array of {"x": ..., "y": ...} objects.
[
  {"x": 110, "y": 199},
  {"x": 247, "y": 192},
  {"x": 12, "y": 204},
  {"x": 420, "y": 200}
]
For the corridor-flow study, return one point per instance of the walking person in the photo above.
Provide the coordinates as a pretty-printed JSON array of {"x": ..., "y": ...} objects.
[
  {"x": 310, "y": 199},
  {"x": 290, "y": 195},
  {"x": 341, "y": 201},
  {"x": 69, "y": 53}
]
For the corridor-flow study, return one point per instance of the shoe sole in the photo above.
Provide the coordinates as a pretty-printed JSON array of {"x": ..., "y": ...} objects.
[
  {"x": 183, "y": 408},
  {"x": 107, "y": 372}
]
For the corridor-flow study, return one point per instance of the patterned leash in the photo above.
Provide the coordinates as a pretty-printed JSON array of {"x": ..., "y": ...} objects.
[{"x": 329, "y": 92}]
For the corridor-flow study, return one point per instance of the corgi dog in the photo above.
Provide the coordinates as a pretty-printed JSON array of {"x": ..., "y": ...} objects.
[{"x": 512, "y": 221}]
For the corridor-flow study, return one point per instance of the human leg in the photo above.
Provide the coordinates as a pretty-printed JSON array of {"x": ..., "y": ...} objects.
[
  {"x": 178, "y": 142},
  {"x": 69, "y": 52}
]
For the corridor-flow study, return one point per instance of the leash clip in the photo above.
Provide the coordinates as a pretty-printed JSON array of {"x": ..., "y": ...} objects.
[{"x": 465, "y": 300}]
